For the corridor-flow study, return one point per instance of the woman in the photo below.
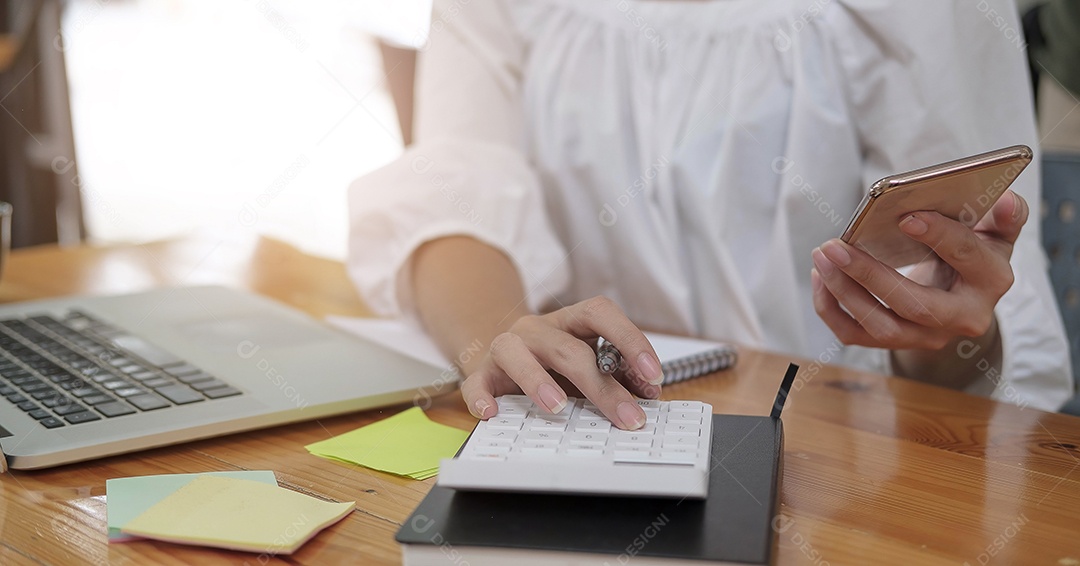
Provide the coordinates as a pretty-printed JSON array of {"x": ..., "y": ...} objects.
[{"x": 692, "y": 163}]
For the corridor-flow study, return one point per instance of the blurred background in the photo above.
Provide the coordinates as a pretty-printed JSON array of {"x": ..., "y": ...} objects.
[
  {"x": 128, "y": 121},
  {"x": 195, "y": 116}
]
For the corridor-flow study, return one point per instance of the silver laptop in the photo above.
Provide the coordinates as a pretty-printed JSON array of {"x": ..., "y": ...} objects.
[{"x": 87, "y": 377}]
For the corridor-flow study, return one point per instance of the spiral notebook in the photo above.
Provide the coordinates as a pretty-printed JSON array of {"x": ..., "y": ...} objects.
[
  {"x": 684, "y": 358},
  {"x": 681, "y": 358}
]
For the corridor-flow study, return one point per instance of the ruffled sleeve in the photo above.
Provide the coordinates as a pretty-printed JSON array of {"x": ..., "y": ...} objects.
[
  {"x": 919, "y": 96},
  {"x": 467, "y": 173}
]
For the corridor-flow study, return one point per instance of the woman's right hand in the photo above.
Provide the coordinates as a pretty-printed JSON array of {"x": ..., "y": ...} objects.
[{"x": 564, "y": 341}]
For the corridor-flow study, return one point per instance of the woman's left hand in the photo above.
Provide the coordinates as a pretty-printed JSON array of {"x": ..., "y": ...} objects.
[{"x": 950, "y": 294}]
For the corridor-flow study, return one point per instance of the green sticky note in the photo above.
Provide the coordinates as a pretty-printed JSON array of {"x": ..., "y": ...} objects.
[
  {"x": 425, "y": 474},
  {"x": 237, "y": 514},
  {"x": 407, "y": 444},
  {"x": 127, "y": 498}
]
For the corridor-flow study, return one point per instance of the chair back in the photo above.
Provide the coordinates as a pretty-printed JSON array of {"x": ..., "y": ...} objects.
[{"x": 1061, "y": 239}]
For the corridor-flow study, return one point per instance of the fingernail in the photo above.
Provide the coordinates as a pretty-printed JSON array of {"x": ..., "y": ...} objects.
[
  {"x": 913, "y": 226},
  {"x": 1018, "y": 207},
  {"x": 836, "y": 253},
  {"x": 822, "y": 263},
  {"x": 553, "y": 399},
  {"x": 650, "y": 368},
  {"x": 631, "y": 415},
  {"x": 815, "y": 280},
  {"x": 481, "y": 408}
]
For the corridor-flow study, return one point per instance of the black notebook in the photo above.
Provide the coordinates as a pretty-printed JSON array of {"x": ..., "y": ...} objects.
[{"x": 732, "y": 526}]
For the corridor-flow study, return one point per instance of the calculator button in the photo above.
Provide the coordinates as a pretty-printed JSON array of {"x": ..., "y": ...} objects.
[
  {"x": 593, "y": 426},
  {"x": 646, "y": 430},
  {"x": 539, "y": 444},
  {"x": 585, "y": 451},
  {"x": 495, "y": 433},
  {"x": 546, "y": 416},
  {"x": 634, "y": 440},
  {"x": 504, "y": 424},
  {"x": 547, "y": 424},
  {"x": 689, "y": 418},
  {"x": 690, "y": 442},
  {"x": 591, "y": 414},
  {"x": 492, "y": 446},
  {"x": 571, "y": 406},
  {"x": 588, "y": 439},
  {"x": 535, "y": 411},
  {"x": 488, "y": 456},
  {"x": 512, "y": 412},
  {"x": 649, "y": 404},
  {"x": 539, "y": 436},
  {"x": 686, "y": 407},
  {"x": 538, "y": 450},
  {"x": 652, "y": 416},
  {"x": 682, "y": 430},
  {"x": 521, "y": 400},
  {"x": 543, "y": 415}
]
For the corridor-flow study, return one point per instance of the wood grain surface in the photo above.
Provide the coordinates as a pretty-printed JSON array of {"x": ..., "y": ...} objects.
[{"x": 878, "y": 470}]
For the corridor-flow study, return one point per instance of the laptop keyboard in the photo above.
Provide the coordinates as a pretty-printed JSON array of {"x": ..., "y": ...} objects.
[{"x": 77, "y": 369}]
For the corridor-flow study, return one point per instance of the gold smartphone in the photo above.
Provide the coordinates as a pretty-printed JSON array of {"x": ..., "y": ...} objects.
[{"x": 963, "y": 190}]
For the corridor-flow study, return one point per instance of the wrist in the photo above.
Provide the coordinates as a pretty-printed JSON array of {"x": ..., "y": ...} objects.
[
  {"x": 960, "y": 363},
  {"x": 481, "y": 331},
  {"x": 467, "y": 292}
]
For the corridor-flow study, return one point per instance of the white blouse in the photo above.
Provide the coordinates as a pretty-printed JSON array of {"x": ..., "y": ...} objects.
[{"x": 684, "y": 158}]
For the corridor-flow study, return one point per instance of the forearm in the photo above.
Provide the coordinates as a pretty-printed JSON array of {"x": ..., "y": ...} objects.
[
  {"x": 957, "y": 365},
  {"x": 466, "y": 293}
]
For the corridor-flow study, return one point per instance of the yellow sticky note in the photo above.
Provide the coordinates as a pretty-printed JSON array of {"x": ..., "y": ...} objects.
[
  {"x": 128, "y": 498},
  {"x": 237, "y": 514},
  {"x": 407, "y": 444}
]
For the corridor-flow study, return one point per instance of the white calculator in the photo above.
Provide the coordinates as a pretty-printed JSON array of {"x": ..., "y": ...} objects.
[{"x": 527, "y": 449}]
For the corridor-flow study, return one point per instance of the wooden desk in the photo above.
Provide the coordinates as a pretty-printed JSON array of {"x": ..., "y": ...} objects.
[{"x": 878, "y": 470}]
